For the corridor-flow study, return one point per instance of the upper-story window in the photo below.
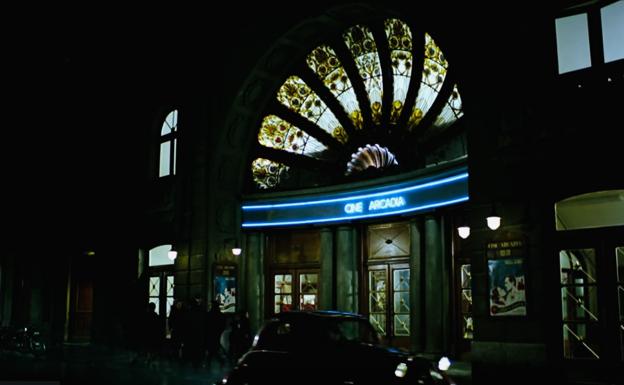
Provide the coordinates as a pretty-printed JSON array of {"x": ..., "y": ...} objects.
[
  {"x": 573, "y": 43},
  {"x": 612, "y": 23},
  {"x": 168, "y": 145},
  {"x": 590, "y": 35}
]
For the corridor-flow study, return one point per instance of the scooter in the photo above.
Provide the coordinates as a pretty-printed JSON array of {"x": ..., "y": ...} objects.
[{"x": 22, "y": 339}]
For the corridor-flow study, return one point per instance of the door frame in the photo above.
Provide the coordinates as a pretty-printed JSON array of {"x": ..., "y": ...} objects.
[{"x": 604, "y": 241}]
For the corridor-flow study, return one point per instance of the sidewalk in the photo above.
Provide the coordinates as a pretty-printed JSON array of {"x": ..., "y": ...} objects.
[
  {"x": 98, "y": 365},
  {"x": 460, "y": 372}
]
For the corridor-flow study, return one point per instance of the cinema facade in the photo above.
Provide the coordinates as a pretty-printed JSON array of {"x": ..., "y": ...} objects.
[{"x": 359, "y": 144}]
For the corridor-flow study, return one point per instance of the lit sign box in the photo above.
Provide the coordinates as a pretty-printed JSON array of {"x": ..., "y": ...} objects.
[{"x": 420, "y": 194}]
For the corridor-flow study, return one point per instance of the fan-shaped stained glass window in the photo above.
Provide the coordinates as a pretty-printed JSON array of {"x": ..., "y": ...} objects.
[{"x": 378, "y": 99}]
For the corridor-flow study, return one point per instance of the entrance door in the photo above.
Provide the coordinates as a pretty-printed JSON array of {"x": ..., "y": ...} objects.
[
  {"x": 389, "y": 303},
  {"x": 387, "y": 281},
  {"x": 80, "y": 300},
  {"x": 161, "y": 285},
  {"x": 591, "y": 282},
  {"x": 294, "y": 289}
]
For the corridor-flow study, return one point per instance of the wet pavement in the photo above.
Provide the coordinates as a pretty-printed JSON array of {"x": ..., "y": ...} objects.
[
  {"x": 71, "y": 365},
  {"x": 93, "y": 365}
]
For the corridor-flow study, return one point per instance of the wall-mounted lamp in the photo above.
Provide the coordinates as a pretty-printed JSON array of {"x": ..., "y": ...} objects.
[
  {"x": 493, "y": 220},
  {"x": 172, "y": 254},
  {"x": 236, "y": 249},
  {"x": 463, "y": 231}
]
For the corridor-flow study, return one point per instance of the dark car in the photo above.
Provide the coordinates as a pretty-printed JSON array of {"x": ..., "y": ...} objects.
[{"x": 326, "y": 347}]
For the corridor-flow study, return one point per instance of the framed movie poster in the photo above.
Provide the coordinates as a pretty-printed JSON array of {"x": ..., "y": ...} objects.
[
  {"x": 225, "y": 287},
  {"x": 507, "y": 281}
]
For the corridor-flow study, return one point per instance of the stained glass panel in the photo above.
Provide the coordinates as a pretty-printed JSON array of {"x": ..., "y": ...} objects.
[
  {"x": 401, "y": 325},
  {"x": 401, "y": 302},
  {"x": 401, "y": 280},
  {"x": 467, "y": 327},
  {"x": 283, "y": 283},
  {"x": 361, "y": 44},
  {"x": 277, "y": 133},
  {"x": 433, "y": 75},
  {"x": 302, "y": 99},
  {"x": 466, "y": 301},
  {"x": 400, "y": 43},
  {"x": 379, "y": 323},
  {"x": 267, "y": 173},
  {"x": 324, "y": 62},
  {"x": 466, "y": 277},
  {"x": 451, "y": 111},
  {"x": 377, "y": 282},
  {"x": 307, "y": 302},
  {"x": 308, "y": 283},
  {"x": 389, "y": 240},
  {"x": 298, "y": 97},
  {"x": 282, "y": 303}
]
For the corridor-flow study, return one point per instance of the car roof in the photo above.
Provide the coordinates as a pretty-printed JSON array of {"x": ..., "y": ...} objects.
[{"x": 317, "y": 314}]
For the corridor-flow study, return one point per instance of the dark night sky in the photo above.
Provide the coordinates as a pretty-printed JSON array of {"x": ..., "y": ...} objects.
[
  {"x": 81, "y": 84},
  {"x": 81, "y": 87}
]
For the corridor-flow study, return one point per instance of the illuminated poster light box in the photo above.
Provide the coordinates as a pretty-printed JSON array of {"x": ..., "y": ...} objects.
[{"x": 417, "y": 194}]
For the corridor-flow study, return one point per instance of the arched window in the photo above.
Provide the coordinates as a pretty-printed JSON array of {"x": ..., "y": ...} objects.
[
  {"x": 168, "y": 145},
  {"x": 377, "y": 99}
]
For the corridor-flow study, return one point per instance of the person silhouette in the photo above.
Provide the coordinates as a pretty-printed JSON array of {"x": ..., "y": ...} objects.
[
  {"x": 194, "y": 336},
  {"x": 240, "y": 336},
  {"x": 215, "y": 325}
]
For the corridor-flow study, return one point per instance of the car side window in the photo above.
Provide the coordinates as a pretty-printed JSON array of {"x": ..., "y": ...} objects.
[
  {"x": 356, "y": 331},
  {"x": 276, "y": 336}
]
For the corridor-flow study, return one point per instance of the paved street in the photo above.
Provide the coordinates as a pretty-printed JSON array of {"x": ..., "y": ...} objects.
[{"x": 87, "y": 365}]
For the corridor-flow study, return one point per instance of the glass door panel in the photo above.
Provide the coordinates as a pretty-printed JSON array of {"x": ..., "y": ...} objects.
[
  {"x": 377, "y": 299},
  {"x": 579, "y": 303},
  {"x": 308, "y": 291},
  {"x": 401, "y": 303},
  {"x": 282, "y": 290}
]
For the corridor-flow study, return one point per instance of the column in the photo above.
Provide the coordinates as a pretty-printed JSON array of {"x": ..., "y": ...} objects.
[
  {"x": 346, "y": 270},
  {"x": 326, "y": 285},
  {"x": 416, "y": 293},
  {"x": 433, "y": 286},
  {"x": 255, "y": 279},
  {"x": 241, "y": 267}
]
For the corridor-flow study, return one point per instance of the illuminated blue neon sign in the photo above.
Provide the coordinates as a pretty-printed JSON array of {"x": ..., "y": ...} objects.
[
  {"x": 445, "y": 188},
  {"x": 374, "y": 205}
]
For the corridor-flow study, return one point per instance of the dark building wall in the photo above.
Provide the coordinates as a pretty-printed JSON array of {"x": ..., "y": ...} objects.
[{"x": 533, "y": 138}]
